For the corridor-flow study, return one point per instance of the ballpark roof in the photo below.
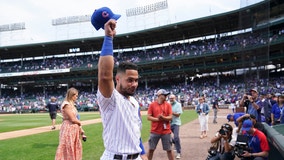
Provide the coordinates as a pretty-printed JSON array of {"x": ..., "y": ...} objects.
[{"x": 221, "y": 23}]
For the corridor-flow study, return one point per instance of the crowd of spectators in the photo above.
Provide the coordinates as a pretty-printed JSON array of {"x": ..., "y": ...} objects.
[
  {"x": 230, "y": 90},
  {"x": 33, "y": 101},
  {"x": 194, "y": 48}
]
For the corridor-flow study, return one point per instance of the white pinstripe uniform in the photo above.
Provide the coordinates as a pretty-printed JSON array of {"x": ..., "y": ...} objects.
[{"x": 121, "y": 125}]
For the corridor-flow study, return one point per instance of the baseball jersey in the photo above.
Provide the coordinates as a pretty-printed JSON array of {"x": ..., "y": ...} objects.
[
  {"x": 276, "y": 110},
  {"x": 258, "y": 142},
  {"x": 236, "y": 116},
  {"x": 121, "y": 123}
]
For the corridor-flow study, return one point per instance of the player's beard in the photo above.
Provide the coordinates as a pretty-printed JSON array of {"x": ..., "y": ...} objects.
[{"x": 126, "y": 91}]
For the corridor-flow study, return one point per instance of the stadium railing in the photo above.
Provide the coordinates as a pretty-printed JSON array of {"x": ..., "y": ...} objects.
[{"x": 275, "y": 137}]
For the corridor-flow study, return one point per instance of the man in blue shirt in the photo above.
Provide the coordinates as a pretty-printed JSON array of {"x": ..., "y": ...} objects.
[
  {"x": 277, "y": 111},
  {"x": 252, "y": 103},
  {"x": 234, "y": 117},
  {"x": 175, "y": 123}
]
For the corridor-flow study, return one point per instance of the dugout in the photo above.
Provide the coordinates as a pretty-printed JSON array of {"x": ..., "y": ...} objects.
[{"x": 275, "y": 137}]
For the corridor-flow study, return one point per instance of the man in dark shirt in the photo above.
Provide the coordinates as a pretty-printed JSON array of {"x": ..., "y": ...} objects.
[
  {"x": 52, "y": 107},
  {"x": 215, "y": 108},
  {"x": 266, "y": 107},
  {"x": 272, "y": 99}
]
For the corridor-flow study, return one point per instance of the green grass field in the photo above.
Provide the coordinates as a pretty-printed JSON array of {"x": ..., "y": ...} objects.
[
  {"x": 25, "y": 121},
  {"x": 43, "y": 146}
]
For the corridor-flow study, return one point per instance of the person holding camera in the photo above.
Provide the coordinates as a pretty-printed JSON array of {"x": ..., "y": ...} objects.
[
  {"x": 252, "y": 104},
  {"x": 224, "y": 143},
  {"x": 257, "y": 142}
]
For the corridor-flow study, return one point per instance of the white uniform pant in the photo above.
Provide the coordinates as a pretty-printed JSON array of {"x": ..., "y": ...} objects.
[{"x": 203, "y": 121}]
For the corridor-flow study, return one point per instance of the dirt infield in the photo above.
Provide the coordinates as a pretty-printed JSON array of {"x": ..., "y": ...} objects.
[{"x": 192, "y": 146}]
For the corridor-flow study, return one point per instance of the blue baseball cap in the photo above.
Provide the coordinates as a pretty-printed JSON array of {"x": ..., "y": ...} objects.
[
  {"x": 229, "y": 117},
  {"x": 247, "y": 124},
  {"x": 101, "y": 16}
]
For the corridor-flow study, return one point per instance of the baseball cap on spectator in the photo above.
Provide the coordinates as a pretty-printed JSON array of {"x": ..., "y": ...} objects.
[
  {"x": 277, "y": 94},
  {"x": 253, "y": 89},
  {"x": 229, "y": 116},
  {"x": 247, "y": 124},
  {"x": 162, "y": 92},
  {"x": 101, "y": 16}
]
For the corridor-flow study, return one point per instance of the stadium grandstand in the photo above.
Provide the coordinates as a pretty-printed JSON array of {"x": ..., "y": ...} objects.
[{"x": 245, "y": 45}]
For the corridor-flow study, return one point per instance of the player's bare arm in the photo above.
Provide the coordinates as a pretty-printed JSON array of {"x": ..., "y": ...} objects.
[{"x": 106, "y": 64}]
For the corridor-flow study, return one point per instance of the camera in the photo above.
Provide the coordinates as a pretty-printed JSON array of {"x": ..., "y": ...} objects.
[
  {"x": 223, "y": 131},
  {"x": 212, "y": 153},
  {"x": 241, "y": 145},
  {"x": 246, "y": 100},
  {"x": 84, "y": 138}
]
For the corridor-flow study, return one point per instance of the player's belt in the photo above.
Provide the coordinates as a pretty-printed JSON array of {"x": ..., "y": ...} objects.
[{"x": 130, "y": 156}]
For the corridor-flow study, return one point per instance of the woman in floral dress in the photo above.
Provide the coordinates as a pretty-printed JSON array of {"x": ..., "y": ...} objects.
[{"x": 70, "y": 145}]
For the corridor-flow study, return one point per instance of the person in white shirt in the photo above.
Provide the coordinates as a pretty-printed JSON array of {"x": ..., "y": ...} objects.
[{"x": 119, "y": 109}]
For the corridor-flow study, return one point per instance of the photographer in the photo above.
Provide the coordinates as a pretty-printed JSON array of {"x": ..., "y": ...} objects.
[
  {"x": 257, "y": 142},
  {"x": 252, "y": 103},
  {"x": 225, "y": 144}
]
